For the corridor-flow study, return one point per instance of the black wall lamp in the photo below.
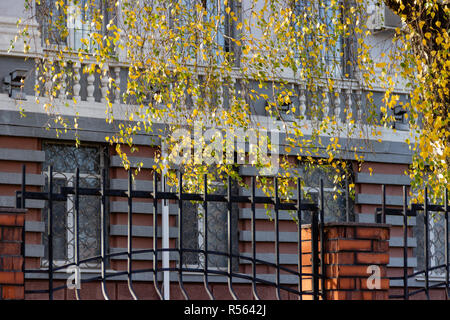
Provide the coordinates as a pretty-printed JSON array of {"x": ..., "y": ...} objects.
[
  {"x": 399, "y": 113},
  {"x": 14, "y": 84}
]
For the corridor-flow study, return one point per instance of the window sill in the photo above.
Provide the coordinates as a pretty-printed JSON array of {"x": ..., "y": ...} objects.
[
  {"x": 432, "y": 278},
  {"x": 88, "y": 57}
]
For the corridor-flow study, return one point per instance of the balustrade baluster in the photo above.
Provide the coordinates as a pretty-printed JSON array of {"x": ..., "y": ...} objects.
[
  {"x": 326, "y": 101},
  {"x": 302, "y": 99},
  {"x": 104, "y": 80},
  {"x": 117, "y": 91},
  {"x": 76, "y": 81},
  {"x": 90, "y": 87},
  {"x": 337, "y": 104},
  {"x": 359, "y": 111},
  {"x": 348, "y": 102}
]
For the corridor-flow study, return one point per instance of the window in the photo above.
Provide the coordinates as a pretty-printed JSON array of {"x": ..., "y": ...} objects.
[
  {"x": 338, "y": 204},
  {"x": 64, "y": 160},
  {"x": 217, "y": 8},
  {"x": 333, "y": 60},
  {"x": 219, "y": 37},
  {"x": 326, "y": 14},
  {"x": 51, "y": 19},
  {"x": 436, "y": 242},
  {"x": 194, "y": 232},
  {"x": 78, "y": 23},
  {"x": 75, "y": 21}
]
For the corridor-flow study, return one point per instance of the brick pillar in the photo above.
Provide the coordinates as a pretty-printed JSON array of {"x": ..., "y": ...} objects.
[
  {"x": 11, "y": 257},
  {"x": 350, "y": 251}
]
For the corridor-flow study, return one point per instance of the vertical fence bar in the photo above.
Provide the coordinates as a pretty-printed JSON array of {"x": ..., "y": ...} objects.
[
  {"x": 165, "y": 238},
  {"x": 253, "y": 231},
  {"x": 180, "y": 234},
  {"x": 205, "y": 236},
  {"x": 130, "y": 236},
  {"x": 103, "y": 234},
  {"x": 347, "y": 199},
  {"x": 383, "y": 203},
  {"x": 427, "y": 236},
  {"x": 314, "y": 254},
  {"x": 22, "y": 206},
  {"x": 50, "y": 232},
  {"x": 230, "y": 241},
  {"x": 277, "y": 237},
  {"x": 405, "y": 245},
  {"x": 22, "y": 197},
  {"x": 322, "y": 239},
  {"x": 155, "y": 235},
  {"x": 299, "y": 239},
  {"x": 447, "y": 258},
  {"x": 76, "y": 227}
]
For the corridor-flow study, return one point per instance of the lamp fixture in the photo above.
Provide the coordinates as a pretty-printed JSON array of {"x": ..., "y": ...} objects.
[{"x": 14, "y": 84}]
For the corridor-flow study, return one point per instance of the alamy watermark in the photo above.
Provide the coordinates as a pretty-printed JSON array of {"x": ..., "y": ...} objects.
[
  {"x": 74, "y": 280},
  {"x": 374, "y": 280},
  {"x": 225, "y": 146}
]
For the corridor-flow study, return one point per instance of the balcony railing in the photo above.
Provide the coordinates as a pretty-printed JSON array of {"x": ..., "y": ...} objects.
[{"x": 76, "y": 84}]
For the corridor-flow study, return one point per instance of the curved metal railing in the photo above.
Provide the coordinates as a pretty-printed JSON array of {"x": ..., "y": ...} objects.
[
  {"x": 412, "y": 211},
  {"x": 315, "y": 276}
]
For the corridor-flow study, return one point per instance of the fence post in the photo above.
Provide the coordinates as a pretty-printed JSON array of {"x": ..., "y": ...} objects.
[
  {"x": 355, "y": 260},
  {"x": 11, "y": 254}
]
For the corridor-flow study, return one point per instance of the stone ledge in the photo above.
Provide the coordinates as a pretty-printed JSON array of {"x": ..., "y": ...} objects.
[
  {"x": 6, "y": 210},
  {"x": 352, "y": 224}
]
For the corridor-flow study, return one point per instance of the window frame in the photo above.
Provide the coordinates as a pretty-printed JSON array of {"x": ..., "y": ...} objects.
[
  {"x": 200, "y": 238},
  {"x": 343, "y": 191},
  {"x": 69, "y": 177},
  {"x": 338, "y": 71},
  {"x": 225, "y": 29},
  {"x": 69, "y": 41},
  {"x": 433, "y": 249}
]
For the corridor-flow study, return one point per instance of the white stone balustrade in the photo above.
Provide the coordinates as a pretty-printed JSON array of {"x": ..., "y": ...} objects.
[
  {"x": 71, "y": 86},
  {"x": 337, "y": 102}
]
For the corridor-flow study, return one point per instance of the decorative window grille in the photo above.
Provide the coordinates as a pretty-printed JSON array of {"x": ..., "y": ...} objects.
[
  {"x": 64, "y": 160},
  {"x": 338, "y": 203},
  {"x": 436, "y": 242},
  {"x": 194, "y": 232}
]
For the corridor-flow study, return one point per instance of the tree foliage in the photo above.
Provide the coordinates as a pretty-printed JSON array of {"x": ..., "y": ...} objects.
[
  {"x": 423, "y": 59},
  {"x": 209, "y": 64}
]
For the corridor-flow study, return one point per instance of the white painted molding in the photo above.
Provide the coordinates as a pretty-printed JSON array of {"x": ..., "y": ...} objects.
[
  {"x": 8, "y": 32},
  {"x": 97, "y": 110}
]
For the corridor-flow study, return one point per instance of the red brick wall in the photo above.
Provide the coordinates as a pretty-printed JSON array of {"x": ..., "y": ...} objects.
[
  {"x": 359, "y": 252},
  {"x": 32, "y": 167},
  {"x": 350, "y": 248},
  {"x": 11, "y": 258}
]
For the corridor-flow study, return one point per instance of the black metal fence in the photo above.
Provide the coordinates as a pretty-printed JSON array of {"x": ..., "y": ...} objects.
[
  {"x": 415, "y": 210},
  {"x": 298, "y": 206}
]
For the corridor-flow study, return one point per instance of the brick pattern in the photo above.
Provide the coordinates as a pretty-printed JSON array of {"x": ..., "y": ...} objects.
[
  {"x": 11, "y": 258},
  {"x": 364, "y": 210},
  {"x": 350, "y": 248}
]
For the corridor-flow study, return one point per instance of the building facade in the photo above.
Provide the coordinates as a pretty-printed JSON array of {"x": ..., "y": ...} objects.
[{"x": 27, "y": 140}]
